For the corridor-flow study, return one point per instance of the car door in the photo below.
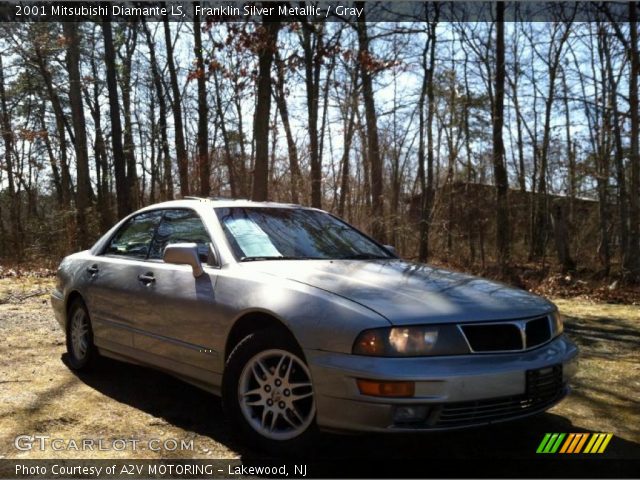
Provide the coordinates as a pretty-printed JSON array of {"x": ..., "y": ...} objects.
[
  {"x": 116, "y": 276},
  {"x": 183, "y": 325}
]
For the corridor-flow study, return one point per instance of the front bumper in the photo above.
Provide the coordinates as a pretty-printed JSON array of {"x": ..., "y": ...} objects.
[{"x": 454, "y": 391}]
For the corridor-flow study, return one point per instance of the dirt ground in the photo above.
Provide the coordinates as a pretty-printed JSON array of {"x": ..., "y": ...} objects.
[{"x": 39, "y": 395}]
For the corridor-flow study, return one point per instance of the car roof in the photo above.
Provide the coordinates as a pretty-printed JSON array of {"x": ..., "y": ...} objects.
[{"x": 219, "y": 203}]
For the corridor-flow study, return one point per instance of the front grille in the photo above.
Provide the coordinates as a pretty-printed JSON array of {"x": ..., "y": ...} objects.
[
  {"x": 494, "y": 337},
  {"x": 538, "y": 331},
  {"x": 544, "y": 388},
  {"x": 508, "y": 335}
]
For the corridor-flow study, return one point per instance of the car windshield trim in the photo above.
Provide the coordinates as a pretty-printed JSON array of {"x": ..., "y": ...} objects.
[{"x": 273, "y": 233}]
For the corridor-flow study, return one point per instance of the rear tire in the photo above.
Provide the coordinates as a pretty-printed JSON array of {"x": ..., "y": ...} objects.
[
  {"x": 268, "y": 393},
  {"x": 80, "y": 347}
]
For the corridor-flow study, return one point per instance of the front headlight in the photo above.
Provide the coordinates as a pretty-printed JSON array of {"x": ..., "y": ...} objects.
[
  {"x": 413, "y": 341},
  {"x": 557, "y": 324}
]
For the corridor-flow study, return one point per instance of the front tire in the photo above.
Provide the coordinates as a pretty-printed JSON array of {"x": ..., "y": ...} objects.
[
  {"x": 268, "y": 393},
  {"x": 80, "y": 348}
]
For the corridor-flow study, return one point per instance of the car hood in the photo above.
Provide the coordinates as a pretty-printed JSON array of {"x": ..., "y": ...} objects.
[{"x": 408, "y": 293}]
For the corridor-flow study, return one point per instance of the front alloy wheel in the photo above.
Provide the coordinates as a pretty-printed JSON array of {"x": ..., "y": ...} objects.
[
  {"x": 268, "y": 392},
  {"x": 275, "y": 394}
]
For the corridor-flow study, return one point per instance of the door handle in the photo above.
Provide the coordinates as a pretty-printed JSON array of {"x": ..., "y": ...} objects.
[
  {"x": 147, "y": 278},
  {"x": 93, "y": 269}
]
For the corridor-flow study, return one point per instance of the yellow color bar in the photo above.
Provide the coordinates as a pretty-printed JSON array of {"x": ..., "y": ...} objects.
[
  {"x": 594, "y": 437},
  {"x": 605, "y": 442},
  {"x": 596, "y": 445}
]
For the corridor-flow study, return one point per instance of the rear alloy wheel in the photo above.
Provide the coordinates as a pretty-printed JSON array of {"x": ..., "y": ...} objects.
[
  {"x": 80, "y": 337},
  {"x": 268, "y": 391}
]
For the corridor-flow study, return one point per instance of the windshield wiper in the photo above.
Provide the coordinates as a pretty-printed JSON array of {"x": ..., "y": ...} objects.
[{"x": 284, "y": 257}]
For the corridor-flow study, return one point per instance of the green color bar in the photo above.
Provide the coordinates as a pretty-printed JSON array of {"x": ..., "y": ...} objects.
[
  {"x": 557, "y": 445},
  {"x": 542, "y": 444},
  {"x": 547, "y": 449}
]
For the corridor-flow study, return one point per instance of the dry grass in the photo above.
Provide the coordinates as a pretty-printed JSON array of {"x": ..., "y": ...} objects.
[
  {"x": 40, "y": 395},
  {"x": 606, "y": 389}
]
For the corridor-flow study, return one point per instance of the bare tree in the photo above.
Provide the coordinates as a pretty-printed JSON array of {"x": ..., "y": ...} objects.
[
  {"x": 269, "y": 36},
  {"x": 373, "y": 145},
  {"x": 122, "y": 190},
  {"x": 499, "y": 168},
  {"x": 203, "y": 130},
  {"x": 80, "y": 132},
  {"x": 633, "y": 258},
  {"x": 176, "y": 107}
]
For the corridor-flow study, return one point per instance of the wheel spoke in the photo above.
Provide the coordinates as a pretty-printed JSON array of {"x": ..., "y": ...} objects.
[
  {"x": 287, "y": 375},
  {"x": 279, "y": 366},
  {"x": 295, "y": 397},
  {"x": 274, "y": 419},
  {"x": 296, "y": 414},
  {"x": 258, "y": 374},
  {"x": 265, "y": 412},
  {"x": 255, "y": 391},
  {"x": 255, "y": 403},
  {"x": 299, "y": 385},
  {"x": 289, "y": 421}
]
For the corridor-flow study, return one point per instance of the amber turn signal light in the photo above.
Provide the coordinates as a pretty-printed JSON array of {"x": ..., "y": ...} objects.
[{"x": 377, "y": 388}]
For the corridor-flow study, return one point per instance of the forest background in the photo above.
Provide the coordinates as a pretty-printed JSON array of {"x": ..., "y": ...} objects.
[{"x": 507, "y": 148}]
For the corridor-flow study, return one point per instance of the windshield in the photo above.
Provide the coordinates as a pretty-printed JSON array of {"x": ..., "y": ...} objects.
[{"x": 293, "y": 234}]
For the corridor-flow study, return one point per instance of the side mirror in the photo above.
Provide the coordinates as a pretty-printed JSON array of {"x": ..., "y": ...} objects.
[
  {"x": 184, "y": 254},
  {"x": 392, "y": 249}
]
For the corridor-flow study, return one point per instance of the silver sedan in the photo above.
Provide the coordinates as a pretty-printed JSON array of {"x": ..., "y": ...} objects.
[{"x": 301, "y": 322}]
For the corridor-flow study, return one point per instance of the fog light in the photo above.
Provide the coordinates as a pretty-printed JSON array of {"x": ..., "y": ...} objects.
[
  {"x": 409, "y": 414},
  {"x": 378, "y": 388}
]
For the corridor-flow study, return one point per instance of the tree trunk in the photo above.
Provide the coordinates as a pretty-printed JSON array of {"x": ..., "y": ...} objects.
[
  {"x": 129, "y": 145},
  {"x": 633, "y": 257},
  {"x": 122, "y": 192},
  {"x": 260, "y": 191},
  {"x": 65, "y": 178},
  {"x": 542, "y": 211},
  {"x": 350, "y": 115},
  {"x": 281, "y": 102},
  {"x": 499, "y": 169},
  {"x": 618, "y": 157},
  {"x": 101, "y": 160},
  {"x": 203, "y": 130},
  {"x": 162, "y": 120},
  {"x": 176, "y": 106},
  {"x": 373, "y": 147},
  {"x": 80, "y": 131},
  {"x": 7, "y": 137},
  {"x": 561, "y": 236},
  {"x": 311, "y": 43}
]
